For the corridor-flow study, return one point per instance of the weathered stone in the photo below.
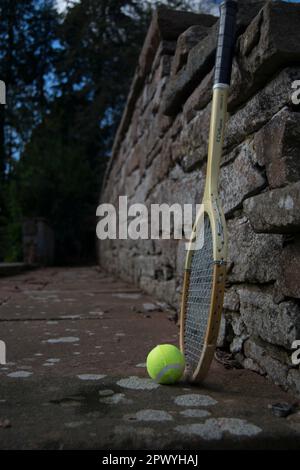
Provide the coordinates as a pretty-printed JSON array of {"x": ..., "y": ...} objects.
[
  {"x": 247, "y": 10},
  {"x": 289, "y": 279},
  {"x": 276, "y": 324},
  {"x": 162, "y": 63},
  {"x": 275, "y": 211},
  {"x": 249, "y": 363},
  {"x": 237, "y": 344},
  {"x": 253, "y": 257},
  {"x": 179, "y": 188},
  {"x": 261, "y": 107},
  {"x": 270, "y": 42},
  {"x": 277, "y": 147},
  {"x": 186, "y": 41},
  {"x": 194, "y": 140},
  {"x": 272, "y": 367},
  {"x": 181, "y": 257},
  {"x": 163, "y": 290},
  {"x": 163, "y": 68},
  {"x": 161, "y": 165},
  {"x": 293, "y": 380},
  {"x": 200, "y": 98},
  {"x": 172, "y": 23},
  {"x": 240, "y": 178},
  {"x": 200, "y": 62},
  {"x": 156, "y": 100},
  {"x": 231, "y": 300},
  {"x": 221, "y": 341},
  {"x": 131, "y": 183}
]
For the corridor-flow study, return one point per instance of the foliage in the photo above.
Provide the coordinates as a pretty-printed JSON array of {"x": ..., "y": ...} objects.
[{"x": 67, "y": 78}]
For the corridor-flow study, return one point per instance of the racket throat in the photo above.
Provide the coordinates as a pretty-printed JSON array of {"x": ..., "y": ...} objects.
[{"x": 216, "y": 139}]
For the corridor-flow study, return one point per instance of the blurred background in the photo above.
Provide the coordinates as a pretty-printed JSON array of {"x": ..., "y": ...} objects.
[{"x": 67, "y": 66}]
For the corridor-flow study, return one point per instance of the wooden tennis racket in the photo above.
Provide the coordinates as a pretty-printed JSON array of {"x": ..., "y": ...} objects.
[{"x": 205, "y": 269}]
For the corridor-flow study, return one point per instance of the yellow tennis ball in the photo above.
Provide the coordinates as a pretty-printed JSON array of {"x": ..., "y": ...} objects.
[{"x": 165, "y": 364}]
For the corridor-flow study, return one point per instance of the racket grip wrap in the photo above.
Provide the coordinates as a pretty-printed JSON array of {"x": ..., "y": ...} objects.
[{"x": 226, "y": 41}]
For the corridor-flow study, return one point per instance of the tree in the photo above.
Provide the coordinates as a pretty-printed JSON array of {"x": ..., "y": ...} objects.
[
  {"x": 26, "y": 58},
  {"x": 68, "y": 78}
]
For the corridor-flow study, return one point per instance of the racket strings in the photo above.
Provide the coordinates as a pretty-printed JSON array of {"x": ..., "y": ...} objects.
[{"x": 198, "y": 298}]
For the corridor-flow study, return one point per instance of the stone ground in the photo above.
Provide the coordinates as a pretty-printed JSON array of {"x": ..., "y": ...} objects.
[{"x": 75, "y": 376}]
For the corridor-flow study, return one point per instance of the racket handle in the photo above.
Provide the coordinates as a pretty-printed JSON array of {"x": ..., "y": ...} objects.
[{"x": 226, "y": 41}]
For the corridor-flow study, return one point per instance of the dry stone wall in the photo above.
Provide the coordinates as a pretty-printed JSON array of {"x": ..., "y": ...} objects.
[{"x": 159, "y": 156}]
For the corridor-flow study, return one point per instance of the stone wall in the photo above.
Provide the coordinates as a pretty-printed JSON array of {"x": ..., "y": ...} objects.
[{"x": 159, "y": 156}]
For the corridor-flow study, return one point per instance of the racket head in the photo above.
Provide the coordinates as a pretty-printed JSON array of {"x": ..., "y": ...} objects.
[{"x": 203, "y": 291}]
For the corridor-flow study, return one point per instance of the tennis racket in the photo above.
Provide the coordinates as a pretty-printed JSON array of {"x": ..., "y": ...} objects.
[{"x": 205, "y": 269}]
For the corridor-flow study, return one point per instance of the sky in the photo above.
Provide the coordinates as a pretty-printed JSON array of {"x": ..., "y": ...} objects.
[{"x": 61, "y": 5}]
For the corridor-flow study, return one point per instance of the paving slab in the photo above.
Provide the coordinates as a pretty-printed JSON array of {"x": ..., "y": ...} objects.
[{"x": 75, "y": 376}]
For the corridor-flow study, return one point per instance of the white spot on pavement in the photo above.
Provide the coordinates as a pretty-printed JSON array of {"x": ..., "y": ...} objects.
[
  {"x": 106, "y": 393},
  {"x": 213, "y": 429},
  {"x": 137, "y": 383},
  {"x": 76, "y": 424},
  {"x": 70, "y": 317},
  {"x": 141, "y": 365},
  {"x": 150, "y": 415},
  {"x": 150, "y": 307},
  {"x": 66, "y": 339},
  {"x": 195, "y": 400},
  {"x": 148, "y": 434},
  {"x": 91, "y": 376},
  {"x": 116, "y": 399},
  {"x": 20, "y": 374},
  {"x": 127, "y": 296},
  {"x": 238, "y": 427},
  {"x": 194, "y": 413}
]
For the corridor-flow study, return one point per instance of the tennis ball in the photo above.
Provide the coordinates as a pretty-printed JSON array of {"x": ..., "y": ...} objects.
[{"x": 165, "y": 364}]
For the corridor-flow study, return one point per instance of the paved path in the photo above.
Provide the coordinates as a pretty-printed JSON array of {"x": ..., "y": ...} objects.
[{"x": 75, "y": 376}]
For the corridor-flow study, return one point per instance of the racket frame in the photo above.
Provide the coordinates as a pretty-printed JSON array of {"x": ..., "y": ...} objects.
[{"x": 211, "y": 207}]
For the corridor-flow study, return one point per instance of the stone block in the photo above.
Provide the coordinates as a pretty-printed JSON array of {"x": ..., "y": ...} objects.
[
  {"x": 194, "y": 140},
  {"x": 289, "y": 278},
  {"x": 275, "y": 211},
  {"x": 231, "y": 300},
  {"x": 261, "y": 107},
  {"x": 272, "y": 367},
  {"x": 277, "y": 147},
  {"x": 253, "y": 257},
  {"x": 200, "y": 97},
  {"x": 271, "y": 41},
  {"x": 278, "y": 324},
  {"x": 240, "y": 178},
  {"x": 293, "y": 380},
  {"x": 200, "y": 62},
  {"x": 186, "y": 41}
]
